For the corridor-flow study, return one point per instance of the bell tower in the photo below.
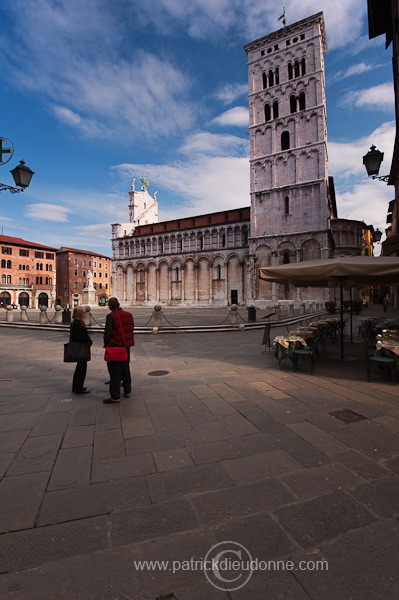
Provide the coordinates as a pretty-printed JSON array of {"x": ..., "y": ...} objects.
[{"x": 290, "y": 200}]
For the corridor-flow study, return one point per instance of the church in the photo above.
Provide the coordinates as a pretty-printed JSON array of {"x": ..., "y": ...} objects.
[{"x": 213, "y": 259}]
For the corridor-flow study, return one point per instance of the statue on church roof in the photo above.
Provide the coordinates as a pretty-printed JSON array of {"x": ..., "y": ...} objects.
[
  {"x": 145, "y": 183},
  {"x": 132, "y": 188}
]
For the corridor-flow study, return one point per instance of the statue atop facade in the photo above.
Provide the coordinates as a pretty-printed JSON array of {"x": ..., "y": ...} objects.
[
  {"x": 145, "y": 183},
  {"x": 132, "y": 187}
]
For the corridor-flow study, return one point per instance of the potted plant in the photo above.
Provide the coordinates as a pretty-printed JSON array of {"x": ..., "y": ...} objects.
[{"x": 330, "y": 307}]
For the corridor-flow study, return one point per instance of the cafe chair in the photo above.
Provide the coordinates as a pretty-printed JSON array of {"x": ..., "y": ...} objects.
[
  {"x": 309, "y": 351},
  {"x": 384, "y": 360}
]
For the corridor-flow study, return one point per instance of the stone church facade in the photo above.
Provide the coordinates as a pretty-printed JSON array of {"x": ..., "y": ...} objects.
[{"x": 214, "y": 259}]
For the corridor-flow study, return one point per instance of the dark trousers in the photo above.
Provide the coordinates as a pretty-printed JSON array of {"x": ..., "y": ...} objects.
[
  {"x": 119, "y": 371},
  {"x": 79, "y": 376}
]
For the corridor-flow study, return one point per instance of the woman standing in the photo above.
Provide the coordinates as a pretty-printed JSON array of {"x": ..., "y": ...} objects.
[{"x": 79, "y": 334}]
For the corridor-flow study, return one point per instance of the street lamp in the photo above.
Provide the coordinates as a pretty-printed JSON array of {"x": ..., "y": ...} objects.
[
  {"x": 22, "y": 174},
  {"x": 372, "y": 161}
]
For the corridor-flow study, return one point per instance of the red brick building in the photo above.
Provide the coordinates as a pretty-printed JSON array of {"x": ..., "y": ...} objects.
[
  {"x": 27, "y": 273},
  {"x": 73, "y": 266}
]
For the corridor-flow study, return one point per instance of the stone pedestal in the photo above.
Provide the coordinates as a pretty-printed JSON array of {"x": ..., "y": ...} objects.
[{"x": 89, "y": 297}]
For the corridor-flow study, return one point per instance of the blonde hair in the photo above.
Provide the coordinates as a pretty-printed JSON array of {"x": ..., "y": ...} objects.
[{"x": 78, "y": 312}]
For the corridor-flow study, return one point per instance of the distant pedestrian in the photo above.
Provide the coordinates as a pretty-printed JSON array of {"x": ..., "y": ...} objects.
[
  {"x": 79, "y": 334},
  {"x": 385, "y": 303},
  {"x": 119, "y": 332}
]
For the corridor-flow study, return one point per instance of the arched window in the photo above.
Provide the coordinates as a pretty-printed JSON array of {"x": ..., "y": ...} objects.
[
  {"x": 286, "y": 257},
  {"x": 302, "y": 101},
  {"x": 277, "y": 75},
  {"x": 296, "y": 68},
  {"x": 3, "y": 279},
  {"x": 285, "y": 140},
  {"x": 267, "y": 112},
  {"x": 286, "y": 206},
  {"x": 303, "y": 67},
  {"x": 271, "y": 78},
  {"x": 275, "y": 109},
  {"x": 264, "y": 80},
  {"x": 48, "y": 281},
  {"x": 290, "y": 73},
  {"x": 3, "y": 264},
  {"x": 293, "y": 107}
]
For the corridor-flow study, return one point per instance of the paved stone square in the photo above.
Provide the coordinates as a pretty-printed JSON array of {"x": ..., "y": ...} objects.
[{"x": 223, "y": 447}]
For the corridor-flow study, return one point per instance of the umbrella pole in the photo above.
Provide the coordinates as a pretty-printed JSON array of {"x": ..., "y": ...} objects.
[{"x": 341, "y": 293}]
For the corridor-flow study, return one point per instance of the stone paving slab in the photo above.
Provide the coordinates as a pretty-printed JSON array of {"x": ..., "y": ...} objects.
[
  {"x": 323, "y": 518},
  {"x": 153, "y": 521},
  {"x": 95, "y": 499},
  {"x": 23, "y": 549}
]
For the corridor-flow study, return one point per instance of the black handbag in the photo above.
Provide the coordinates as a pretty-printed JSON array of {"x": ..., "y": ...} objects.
[{"x": 77, "y": 352}]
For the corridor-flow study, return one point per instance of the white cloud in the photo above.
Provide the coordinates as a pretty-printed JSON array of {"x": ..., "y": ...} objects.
[
  {"x": 231, "y": 92},
  {"x": 212, "y": 144},
  {"x": 353, "y": 70},
  {"x": 378, "y": 97},
  {"x": 214, "y": 176},
  {"x": 47, "y": 212},
  {"x": 345, "y": 158},
  {"x": 237, "y": 116}
]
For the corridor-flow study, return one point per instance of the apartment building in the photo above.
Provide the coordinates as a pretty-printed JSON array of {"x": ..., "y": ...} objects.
[
  {"x": 73, "y": 266},
  {"x": 27, "y": 273}
]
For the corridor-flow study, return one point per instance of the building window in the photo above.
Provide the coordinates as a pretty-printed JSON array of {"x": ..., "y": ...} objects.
[
  {"x": 39, "y": 280},
  {"x": 95, "y": 263},
  {"x": 177, "y": 274},
  {"x": 23, "y": 252},
  {"x": 218, "y": 272},
  {"x": 75, "y": 285},
  {"x": 100, "y": 266},
  {"x": 49, "y": 281},
  {"x": 6, "y": 250},
  {"x": 83, "y": 263},
  {"x": 75, "y": 261},
  {"x": 49, "y": 256},
  {"x": 83, "y": 273},
  {"x": 223, "y": 240},
  {"x": 106, "y": 265},
  {"x": 267, "y": 112},
  {"x": 5, "y": 264},
  {"x": 286, "y": 206},
  {"x": 302, "y": 101},
  {"x": 303, "y": 67},
  {"x": 106, "y": 275},
  {"x": 179, "y": 245},
  {"x": 264, "y": 80},
  {"x": 285, "y": 140},
  {"x": 89, "y": 263},
  {"x": 100, "y": 285},
  {"x": 286, "y": 257},
  {"x": 275, "y": 109},
  {"x": 290, "y": 72},
  {"x": 49, "y": 267},
  {"x": 277, "y": 75},
  {"x": 293, "y": 103},
  {"x": 39, "y": 254}
]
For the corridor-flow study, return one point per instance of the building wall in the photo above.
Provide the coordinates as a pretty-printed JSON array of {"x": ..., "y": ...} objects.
[
  {"x": 72, "y": 268},
  {"x": 199, "y": 261},
  {"x": 27, "y": 273}
]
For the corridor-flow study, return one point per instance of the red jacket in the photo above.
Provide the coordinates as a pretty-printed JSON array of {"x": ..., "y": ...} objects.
[{"x": 116, "y": 321}]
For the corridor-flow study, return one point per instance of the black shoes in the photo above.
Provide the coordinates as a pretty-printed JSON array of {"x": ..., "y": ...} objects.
[
  {"x": 84, "y": 391},
  {"x": 111, "y": 400}
]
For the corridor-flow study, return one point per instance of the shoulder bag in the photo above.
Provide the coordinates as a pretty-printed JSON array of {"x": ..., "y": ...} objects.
[
  {"x": 77, "y": 352},
  {"x": 116, "y": 353}
]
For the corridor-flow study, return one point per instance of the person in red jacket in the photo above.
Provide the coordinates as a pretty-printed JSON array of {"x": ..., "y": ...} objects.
[{"x": 119, "y": 331}]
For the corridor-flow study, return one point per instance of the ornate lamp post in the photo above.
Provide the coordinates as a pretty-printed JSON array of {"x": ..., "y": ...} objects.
[
  {"x": 372, "y": 161},
  {"x": 22, "y": 174}
]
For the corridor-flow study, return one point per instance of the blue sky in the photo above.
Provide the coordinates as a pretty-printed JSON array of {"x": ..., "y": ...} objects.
[{"x": 97, "y": 92}]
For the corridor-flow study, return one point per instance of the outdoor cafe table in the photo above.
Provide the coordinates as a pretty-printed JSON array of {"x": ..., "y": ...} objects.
[{"x": 283, "y": 347}]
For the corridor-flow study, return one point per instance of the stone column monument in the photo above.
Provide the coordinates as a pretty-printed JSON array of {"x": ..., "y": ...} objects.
[{"x": 89, "y": 292}]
